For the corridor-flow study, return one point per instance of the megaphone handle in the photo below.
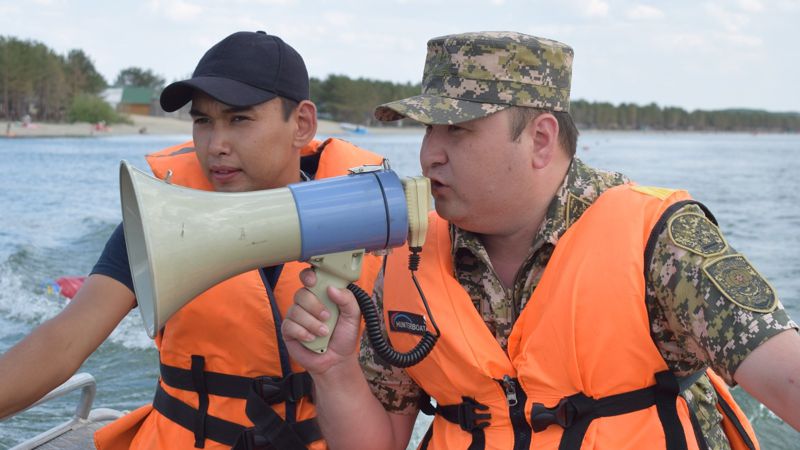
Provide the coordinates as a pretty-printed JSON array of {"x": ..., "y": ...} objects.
[
  {"x": 337, "y": 270},
  {"x": 324, "y": 279}
]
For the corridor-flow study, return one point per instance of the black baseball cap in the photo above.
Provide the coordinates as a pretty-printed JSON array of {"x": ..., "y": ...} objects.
[{"x": 244, "y": 69}]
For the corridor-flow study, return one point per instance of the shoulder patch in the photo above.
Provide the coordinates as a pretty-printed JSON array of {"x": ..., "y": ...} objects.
[
  {"x": 657, "y": 192},
  {"x": 740, "y": 283},
  {"x": 576, "y": 206},
  {"x": 694, "y": 232}
]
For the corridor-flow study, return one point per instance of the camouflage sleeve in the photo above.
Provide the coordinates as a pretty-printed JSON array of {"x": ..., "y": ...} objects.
[
  {"x": 708, "y": 305},
  {"x": 392, "y": 386}
]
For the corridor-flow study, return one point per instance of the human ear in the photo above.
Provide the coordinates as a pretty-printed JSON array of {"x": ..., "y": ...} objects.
[
  {"x": 543, "y": 131},
  {"x": 305, "y": 116}
]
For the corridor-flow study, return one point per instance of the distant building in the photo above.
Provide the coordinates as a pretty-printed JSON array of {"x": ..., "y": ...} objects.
[
  {"x": 131, "y": 99},
  {"x": 136, "y": 100}
]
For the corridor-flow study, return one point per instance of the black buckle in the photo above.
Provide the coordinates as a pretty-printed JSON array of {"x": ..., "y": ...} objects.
[
  {"x": 290, "y": 388},
  {"x": 251, "y": 440},
  {"x": 269, "y": 388},
  {"x": 296, "y": 386},
  {"x": 563, "y": 414},
  {"x": 468, "y": 417}
]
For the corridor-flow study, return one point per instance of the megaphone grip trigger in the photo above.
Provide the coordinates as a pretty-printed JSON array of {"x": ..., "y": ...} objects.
[
  {"x": 337, "y": 270},
  {"x": 320, "y": 290}
]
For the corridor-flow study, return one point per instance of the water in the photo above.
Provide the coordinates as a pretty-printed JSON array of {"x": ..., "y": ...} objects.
[{"x": 59, "y": 201}]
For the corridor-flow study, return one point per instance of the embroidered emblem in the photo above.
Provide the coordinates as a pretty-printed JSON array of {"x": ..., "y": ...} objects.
[
  {"x": 406, "y": 322},
  {"x": 740, "y": 283},
  {"x": 694, "y": 232},
  {"x": 575, "y": 208}
]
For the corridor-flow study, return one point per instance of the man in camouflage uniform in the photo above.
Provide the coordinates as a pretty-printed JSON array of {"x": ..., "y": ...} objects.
[{"x": 708, "y": 306}]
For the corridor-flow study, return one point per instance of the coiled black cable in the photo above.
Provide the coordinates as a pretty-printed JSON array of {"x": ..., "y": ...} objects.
[{"x": 373, "y": 324}]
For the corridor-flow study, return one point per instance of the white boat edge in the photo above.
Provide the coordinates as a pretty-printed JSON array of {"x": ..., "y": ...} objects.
[{"x": 84, "y": 415}]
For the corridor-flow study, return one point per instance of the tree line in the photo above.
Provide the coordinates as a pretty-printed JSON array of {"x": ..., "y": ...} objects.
[
  {"x": 34, "y": 79},
  {"x": 37, "y": 82},
  {"x": 341, "y": 98},
  {"x": 628, "y": 116}
]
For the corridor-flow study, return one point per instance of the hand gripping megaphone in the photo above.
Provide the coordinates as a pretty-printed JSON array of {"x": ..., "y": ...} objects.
[{"x": 183, "y": 241}]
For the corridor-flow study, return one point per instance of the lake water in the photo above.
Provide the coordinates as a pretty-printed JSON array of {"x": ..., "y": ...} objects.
[{"x": 59, "y": 202}]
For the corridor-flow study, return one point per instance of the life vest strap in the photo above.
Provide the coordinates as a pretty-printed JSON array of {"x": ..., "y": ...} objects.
[
  {"x": 251, "y": 440},
  {"x": 234, "y": 434},
  {"x": 731, "y": 415},
  {"x": 217, "y": 429},
  {"x": 274, "y": 389},
  {"x": 667, "y": 390},
  {"x": 425, "y": 405},
  {"x": 199, "y": 382},
  {"x": 466, "y": 416},
  {"x": 271, "y": 428},
  {"x": 576, "y": 412},
  {"x": 290, "y": 388},
  {"x": 217, "y": 383}
]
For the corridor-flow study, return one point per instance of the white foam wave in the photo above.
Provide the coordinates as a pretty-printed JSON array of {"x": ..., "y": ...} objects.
[
  {"x": 23, "y": 308},
  {"x": 130, "y": 333},
  {"x": 20, "y": 303}
]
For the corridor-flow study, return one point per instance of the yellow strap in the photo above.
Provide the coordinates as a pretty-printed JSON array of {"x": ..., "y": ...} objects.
[{"x": 658, "y": 192}]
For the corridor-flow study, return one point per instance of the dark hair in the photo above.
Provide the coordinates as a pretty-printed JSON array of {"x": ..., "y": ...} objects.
[
  {"x": 288, "y": 106},
  {"x": 521, "y": 116}
]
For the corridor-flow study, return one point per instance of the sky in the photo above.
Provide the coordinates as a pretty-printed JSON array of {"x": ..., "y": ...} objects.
[{"x": 693, "y": 54}]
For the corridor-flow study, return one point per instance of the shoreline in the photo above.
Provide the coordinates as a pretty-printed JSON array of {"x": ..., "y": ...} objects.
[
  {"x": 155, "y": 126},
  {"x": 163, "y": 126}
]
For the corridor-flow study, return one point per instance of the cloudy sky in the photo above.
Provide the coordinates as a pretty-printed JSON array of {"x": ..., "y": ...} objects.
[{"x": 695, "y": 54}]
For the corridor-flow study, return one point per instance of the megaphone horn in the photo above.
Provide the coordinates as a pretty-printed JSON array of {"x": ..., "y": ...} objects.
[{"x": 183, "y": 241}]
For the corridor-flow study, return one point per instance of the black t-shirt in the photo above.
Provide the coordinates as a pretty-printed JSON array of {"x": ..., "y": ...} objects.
[{"x": 113, "y": 262}]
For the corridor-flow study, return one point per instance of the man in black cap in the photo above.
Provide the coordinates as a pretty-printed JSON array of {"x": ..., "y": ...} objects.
[{"x": 226, "y": 379}]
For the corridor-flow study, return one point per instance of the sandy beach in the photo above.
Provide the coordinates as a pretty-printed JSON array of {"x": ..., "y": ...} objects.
[{"x": 152, "y": 125}]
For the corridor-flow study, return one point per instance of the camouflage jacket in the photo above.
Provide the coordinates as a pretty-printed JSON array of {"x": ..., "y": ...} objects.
[{"x": 708, "y": 306}]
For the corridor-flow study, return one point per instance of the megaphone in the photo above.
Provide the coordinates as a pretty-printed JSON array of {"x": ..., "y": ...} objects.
[{"x": 183, "y": 241}]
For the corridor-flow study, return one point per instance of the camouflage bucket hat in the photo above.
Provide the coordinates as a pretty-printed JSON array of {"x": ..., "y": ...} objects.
[{"x": 473, "y": 75}]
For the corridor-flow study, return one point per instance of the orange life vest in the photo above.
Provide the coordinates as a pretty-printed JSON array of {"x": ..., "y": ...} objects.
[
  {"x": 583, "y": 338},
  {"x": 223, "y": 361}
]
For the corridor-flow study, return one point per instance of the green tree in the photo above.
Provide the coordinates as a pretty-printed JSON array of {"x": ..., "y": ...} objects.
[
  {"x": 81, "y": 73},
  {"x": 90, "y": 108},
  {"x": 135, "y": 76},
  {"x": 674, "y": 118},
  {"x": 52, "y": 94},
  {"x": 32, "y": 77},
  {"x": 629, "y": 116},
  {"x": 650, "y": 117},
  {"x": 354, "y": 100}
]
